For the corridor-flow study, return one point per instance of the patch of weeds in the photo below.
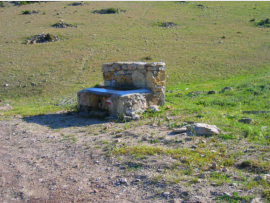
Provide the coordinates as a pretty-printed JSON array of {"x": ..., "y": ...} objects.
[
  {"x": 2, "y": 4},
  {"x": 165, "y": 24},
  {"x": 188, "y": 171},
  {"x": 104, "y": 142},
  {"x": 97, "y": 147},
  {"x": 110, "y": 11},
  {"x": 255, "y": 166},
  {"x": 266, "y": 195},
  {"x": 26, "y": 12},
  {"x": 264, "y": 23},
  {"x": 147, "y": 58},
  {"x": 153, "y": 141},
  {"x": 75, "y": 4},
  {"x": 254, "y": 183},
  {"x": 71, "y": 138},
  {"x": 227, "y": 162},
  {"x": 227, "y": 136},
  {"x": 234, "y": 198},
  {"x": 63, "y": 25}
]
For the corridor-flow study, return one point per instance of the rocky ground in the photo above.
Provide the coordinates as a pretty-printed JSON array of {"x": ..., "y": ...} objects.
[{"x": 67, "y": 157}]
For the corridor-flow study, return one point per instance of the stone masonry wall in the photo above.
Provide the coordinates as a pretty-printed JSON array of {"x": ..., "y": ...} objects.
[{"x": 150, "y": 76}]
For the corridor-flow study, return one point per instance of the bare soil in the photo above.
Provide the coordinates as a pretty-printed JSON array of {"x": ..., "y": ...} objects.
[{"x": 61, "y": 158}]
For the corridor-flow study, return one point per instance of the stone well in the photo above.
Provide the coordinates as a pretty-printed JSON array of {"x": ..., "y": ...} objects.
[{"x": 129, "y": 88}]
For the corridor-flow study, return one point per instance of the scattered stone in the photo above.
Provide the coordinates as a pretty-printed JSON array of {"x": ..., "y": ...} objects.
[
  {"x": 123, "y": 181},
  {"x": 199, "y": 180},
  {"x": 166, "y": 194},
  {"x": 245, "y": 120},
  {"x": 117, "y": 141},
  {"x": 213, "y": 151},
  {"x": 6, "y": 85},
  {"x": 168, "y": 24},
  {"x": 62, "y": 25},
  {"x": 224, "y": 169},
  {"x": 127, "y": 118},
  {"x": 226, "y": 89},
  {"x": 203, "y": 141},
  {"x": 194, "y": 146},
  {"x": 42, "y": 38},
  {"x": 233, "y": 184},
  {"x": 154, "y": 108},
  {"x": 203, "y": 176},
  {"x": 256, "y": 200},
  {"x": 118, "y": 134},
  {"x": 138, "y": 180},
  {"x": 168, "y": 118},
  {"x": 106, "y": 126},
  {"x": 169, "y": 107},
  {"x": 211, "y": 92},
  {"x": 214, "y": 166},
  {"x": 146, "y": 137},
  {"x": 180, "y": 130},
  {"x": 95, "y": 191},
  {"x": 259, "y": 178},
  {"x": 159, "y": 170},
  {"x": 214, "y": 184},
  {"x": 227, "y": 194},
  {"x": 135, "y": 117}
]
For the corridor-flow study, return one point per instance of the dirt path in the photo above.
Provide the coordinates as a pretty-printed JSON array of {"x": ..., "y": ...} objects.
[{"x": 62, "y": 158}]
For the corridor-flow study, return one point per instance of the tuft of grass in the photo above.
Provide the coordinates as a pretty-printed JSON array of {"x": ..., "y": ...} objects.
[
  {"x": 264, "y": 23},
  {"x": 26, "y": 12},
  {"x": 234, "y": 198},
  {"x": 255, "y": 166}
]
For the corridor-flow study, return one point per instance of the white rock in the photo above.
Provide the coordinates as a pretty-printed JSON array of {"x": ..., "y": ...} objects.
[
  {"x": 135, "y": 117},
  {"x": 180, "y": 130},
  {"x": 256, "y": 200},
  {"x": 205, "y": 129},
  {"x": 154, "y": 108},
  {"x": 166, "y": 194}
]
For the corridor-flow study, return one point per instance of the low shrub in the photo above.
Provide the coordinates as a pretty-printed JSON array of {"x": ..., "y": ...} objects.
[{"x": 26, "y": 12}]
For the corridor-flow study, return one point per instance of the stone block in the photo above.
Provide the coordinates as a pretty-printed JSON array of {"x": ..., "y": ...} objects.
[
  {"x": 140, "y": 65},
  {"x": 150, "y": 80},
  {"x": 94, "y": 100},
  {"x": 161, "y": 78},
  {"x": 123, "y": 80},
  {"x": 142, "y": 71},
  {"x": 157, "y": 64},
  {"x": 138, "y": 79},
  {"x": 107, "y": 82},
  {"x": 108, "y": 75},
  {"x": 83, "y": 98},
  {"x": 151, "y": 68}
]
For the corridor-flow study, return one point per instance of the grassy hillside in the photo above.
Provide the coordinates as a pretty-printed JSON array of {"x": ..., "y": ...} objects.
[{"x": 214, "y": 41}]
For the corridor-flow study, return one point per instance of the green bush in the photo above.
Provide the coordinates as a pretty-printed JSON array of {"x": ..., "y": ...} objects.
[
  {"x": 111, "y": 10},
  {"x": 26, "y": 12},
  {"x": 2, "y": 4},
  {"x": 49, "y": 37},
  {"x": 265, "y": 22}
]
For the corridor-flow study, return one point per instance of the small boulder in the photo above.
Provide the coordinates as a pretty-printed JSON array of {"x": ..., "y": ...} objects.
[
  {"x": 211, "y": 92},
  {"x": 6, "y": 85},
  {"x": 205, "y": 129},
  {"x": 245, "y": 120}
]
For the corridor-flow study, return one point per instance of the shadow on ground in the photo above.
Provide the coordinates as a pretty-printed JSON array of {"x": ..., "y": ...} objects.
[{"x": 62, "y": 120}]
